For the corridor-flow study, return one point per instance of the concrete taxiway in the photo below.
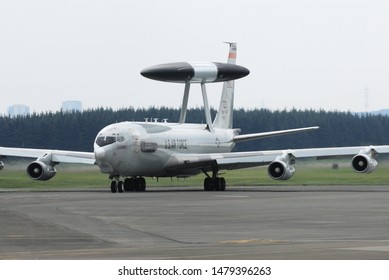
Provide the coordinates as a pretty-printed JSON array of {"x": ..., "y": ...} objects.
[{"x": 294, "y": 222}]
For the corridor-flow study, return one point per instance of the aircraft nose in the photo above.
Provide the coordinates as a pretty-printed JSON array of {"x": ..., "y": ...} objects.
[{"x": 99, "y": 153}]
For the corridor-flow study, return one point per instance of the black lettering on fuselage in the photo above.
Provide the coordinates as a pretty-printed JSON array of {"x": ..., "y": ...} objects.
[{"x": 176, "y": 144}]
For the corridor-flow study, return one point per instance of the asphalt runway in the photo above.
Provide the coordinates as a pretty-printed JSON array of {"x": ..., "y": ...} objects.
[{"x": 278, "y": 222}]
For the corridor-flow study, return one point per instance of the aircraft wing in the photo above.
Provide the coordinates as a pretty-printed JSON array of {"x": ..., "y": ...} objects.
[
  {"x": 260, "y": 135},
  {"x": 236, "y": 160},
  {"x": 265, "y": 157},
  {"x": 57, "y": 156}
]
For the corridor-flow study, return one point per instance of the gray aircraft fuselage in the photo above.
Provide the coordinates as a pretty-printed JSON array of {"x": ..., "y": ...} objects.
[{"x": 147, "y": 148}]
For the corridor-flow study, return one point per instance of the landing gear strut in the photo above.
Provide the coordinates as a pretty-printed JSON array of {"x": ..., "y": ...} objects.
[
  {"x": 133, "y": 184},
  {"x": 214, "y": 183}
]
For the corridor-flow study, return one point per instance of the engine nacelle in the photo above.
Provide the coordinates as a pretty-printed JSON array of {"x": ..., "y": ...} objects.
[
  {"x": 38, "y": 170},
  {"x": 279, "y": 170},
  {"x": 363, "y": 163},
  {"x": 1, "y": 165}
]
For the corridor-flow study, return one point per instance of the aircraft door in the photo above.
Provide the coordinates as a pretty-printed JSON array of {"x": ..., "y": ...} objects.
[{"x": 135, "y": 139}]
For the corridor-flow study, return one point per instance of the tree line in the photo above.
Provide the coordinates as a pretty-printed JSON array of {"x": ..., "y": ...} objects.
[{"x": 77, "y": 130}]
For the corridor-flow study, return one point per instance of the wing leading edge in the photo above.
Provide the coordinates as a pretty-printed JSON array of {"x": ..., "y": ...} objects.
[
  {"x": 260, "y": 135},
  {"x": 57, "y": 156}
]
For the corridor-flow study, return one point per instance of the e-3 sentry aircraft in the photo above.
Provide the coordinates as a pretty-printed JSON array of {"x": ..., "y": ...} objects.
[{"x": 130, "y": 151}]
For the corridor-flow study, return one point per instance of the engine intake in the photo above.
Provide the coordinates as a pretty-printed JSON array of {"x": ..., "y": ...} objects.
[
  {"x": 38, "y": 170},
  {"x": 363, "y": 163},
  {"x": 279, "y": 170}
]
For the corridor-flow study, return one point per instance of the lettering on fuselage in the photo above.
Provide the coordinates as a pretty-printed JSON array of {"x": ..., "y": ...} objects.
[{"x": 176, "y": 144}]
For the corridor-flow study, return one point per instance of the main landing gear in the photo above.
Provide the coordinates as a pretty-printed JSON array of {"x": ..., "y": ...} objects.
[
  {"x": 133, "y": 184},
  {"x": 138, "y": 184},
  {"x": 214, "y": 183}
]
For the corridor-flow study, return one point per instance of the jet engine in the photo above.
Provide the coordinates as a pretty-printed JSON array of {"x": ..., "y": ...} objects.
[
  {"x": 38, "y": 170},
  {"x": 279, "y": 170},
  {"x": 363, "y": 163},
  {"x": 282, "y": 168},
  {"x": 1, "y": 165}
]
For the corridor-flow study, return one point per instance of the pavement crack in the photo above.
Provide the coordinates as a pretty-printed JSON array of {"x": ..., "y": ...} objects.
[{"x": 159, "y": 236}]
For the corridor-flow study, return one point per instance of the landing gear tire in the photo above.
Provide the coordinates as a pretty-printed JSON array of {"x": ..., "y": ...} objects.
[
  {"x": 222, "y": 184},
  {"x": 120, "y": 186},
  {"x": 140, "y": 184},
  {"x": 128, "y": 184},
  {"x": 114, "y": 188},
  {"x": 217, "y": 184},
  {"x": 208, "y": 186},
  {"x": 214, "y": 184}
]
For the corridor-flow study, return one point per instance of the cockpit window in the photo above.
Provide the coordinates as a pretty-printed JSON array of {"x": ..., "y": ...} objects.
[{"x": 102, "y": 141}]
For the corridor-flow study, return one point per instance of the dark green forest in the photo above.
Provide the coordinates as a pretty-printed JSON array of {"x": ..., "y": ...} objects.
[{"x": 77, "y": 130}]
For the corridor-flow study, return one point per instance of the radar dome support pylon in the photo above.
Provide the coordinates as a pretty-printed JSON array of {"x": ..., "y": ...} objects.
[{"x": 184, "y": 105}]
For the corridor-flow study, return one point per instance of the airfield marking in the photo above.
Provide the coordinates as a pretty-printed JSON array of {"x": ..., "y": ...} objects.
[
  {"x": 369, "y": 248},
  {"x": 231, "y": 196},
  {"x": 253, "y": 241}
]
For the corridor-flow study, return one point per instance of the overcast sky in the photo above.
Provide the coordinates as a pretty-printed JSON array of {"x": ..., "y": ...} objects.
[{"x": 301, "y": 54}]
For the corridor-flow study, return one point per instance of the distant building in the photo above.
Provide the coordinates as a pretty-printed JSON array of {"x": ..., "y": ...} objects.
[
  {"x": 18, "y": 110},
  {"x": 70, "y": 106}
]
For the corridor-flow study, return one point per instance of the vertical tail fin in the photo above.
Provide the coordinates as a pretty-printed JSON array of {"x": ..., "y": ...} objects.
[{"x": 224, "y": 116}]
